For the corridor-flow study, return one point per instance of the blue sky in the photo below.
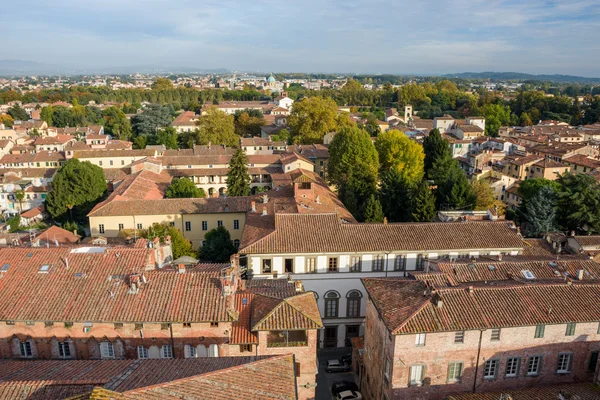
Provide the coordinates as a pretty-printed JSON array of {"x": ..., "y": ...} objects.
[{"x": 420, "y": 36}]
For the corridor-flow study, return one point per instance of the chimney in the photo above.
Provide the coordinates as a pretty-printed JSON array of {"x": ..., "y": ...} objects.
[
  {"x": 181, "y": 268},
  {"x": 499, "y": 256},
  {"x": 299, "y": 286},
  {"x": 580, "y": 274},
  {"x": 470, "y": 289},
  {"x": 385, "y": 220},
  {"x": 437, "y": 300},
  {"x": 253, "y": 205},
  {"x": 264, "y": 211}
]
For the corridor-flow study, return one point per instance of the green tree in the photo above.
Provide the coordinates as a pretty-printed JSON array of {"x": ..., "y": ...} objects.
[
  {"x": 422, "y": 203},
  {"x": 578, "y": 203},
  {"x": 217, "y": 247},
  {"x": 167, "y": 137},
  {"x": 248, "y": 122},
  {"x": 282, "y": 136},
  {"x": 540, "y": 213},
  {"x": 76, "y": 188},
  {"x": 311, "y": 118},
  {"x": 238, "y": 180},
  {"x": 46, "y": 114},
  {"x": 435, "y": 148},
  {"x": 395, "y": 196},
  {"x": 350, "y": 149},
  {"x": 397, "y": 151},
  {"x": 484, "y": 195},
  {"x": 18, "y": 113},
  {"x": 371, "y": 125},
  {"x": 162, "y": 84},
  {"x": 149, "y": 121},
  {"x": 183, "y": 188},
  {"x": 116, "y": 123},
  {"x": 20, "y": 196},
  {"x": 453, "y": 188},
  {"x": 373, "y": 211},
  {"x": 530, "y": 187},
  {"x": 525, "y": 119},
  {"x": 179, "y": 244},
  {"x": 7, "y": 120},
  {"x": 62, "y": 116},
  {"x": 496, "y": 115},
  {"x": 217, "y": 127}
]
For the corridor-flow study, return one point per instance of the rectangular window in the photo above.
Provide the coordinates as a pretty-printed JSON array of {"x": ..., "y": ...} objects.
[
  {"x": 164, "y": 327},
  {"x": 495, "y": 335},
  {"x": 420, "y": 339},
  {"x": 564, "y": 363},
  {"x": 111, "y": 162},
  {"x": 332, "y": 265},
  {"x": 417, "y": 373},
  {"x": 459, "y": 337},
  {"x": 187, "y": 324},
  {"x": 101, "y": 228},
  {"x": 214, "y": 324},
  {"x": 142, "y": 352},
  {"x": 107, "y": 350},
  {"x": 140, "y": 226},
  {"x": 420, "y": 262},
  {"x": 166, "y": 351},
  {"x": 100, "y": 163},
  {"x": 121, "y": 226},
  {"x": 331, "y": 307},
  {"x": 490, "y": 369},
  {"x": 236, "y": 224},
  {"x": 288, "y": 265},
  {"x": 25, "y": 349},
  {"x": 539, "y": 331},
  {"x": 188, "y": 226},
  {"x": 455, "y": 371},
  {"x": 204, "y": 225},
  {"x": 137, "y": 327},
  {"x": 378, "y": 263},
  {"x": 64, "y": 351},
  {"x": 570, "y": 329},
  {"x": 353, "y": 307},
  {"x": 171, "y": 223},
  {"x": 593, "y": 361},
  {"x": 266, "y": 266},
  {"x": 311, "y": 265},
  {"x": 245, "y": 348},
  {"x": 219, "y": 223},
  {"x": 512, "y": 367},
  {"x": 400, "y": 263},
  {"x": 534, "y": 365},
  {"x": 355, "y": 264},
  {"x": 190, "y": 351}
]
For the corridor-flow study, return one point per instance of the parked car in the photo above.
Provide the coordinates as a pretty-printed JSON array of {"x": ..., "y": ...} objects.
[
  {"x": 337, "y": 366},
  {"x": 342, "y": 386},
  {"x": 349, "y": 395}
]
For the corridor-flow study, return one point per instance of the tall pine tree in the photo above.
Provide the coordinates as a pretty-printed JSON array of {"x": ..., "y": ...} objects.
[
  {"x": 395, "y": 197},
  {"x": 540, "y": 213},
  {"x": 238, "y": 180},
  {"x": 373, "y": 211},
  {"x": 422, "y": 203},
  {"x": 435, "y": 148}
]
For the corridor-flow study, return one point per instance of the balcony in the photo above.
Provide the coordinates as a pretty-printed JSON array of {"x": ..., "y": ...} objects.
[{"x": 287, "y": 339}]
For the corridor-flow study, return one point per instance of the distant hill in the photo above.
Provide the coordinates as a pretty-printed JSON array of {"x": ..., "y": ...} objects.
[{"x": 506, "y": 76}]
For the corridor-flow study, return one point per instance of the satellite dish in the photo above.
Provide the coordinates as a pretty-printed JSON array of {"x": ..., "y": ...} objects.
[{"x": 10, "y": 188}]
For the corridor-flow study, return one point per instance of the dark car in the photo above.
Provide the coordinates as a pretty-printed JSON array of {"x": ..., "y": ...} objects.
[
  {"x": 347, "y": 359},
  {"x": 342, "y": 386},
  {"x": 337, "y": 366}
]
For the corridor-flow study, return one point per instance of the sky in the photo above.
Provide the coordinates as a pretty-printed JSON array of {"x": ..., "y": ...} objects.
[{"x": 347, "y": 36}]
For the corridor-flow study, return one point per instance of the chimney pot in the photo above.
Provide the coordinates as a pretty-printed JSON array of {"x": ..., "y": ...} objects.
[
  {"x": 580, "y": 274},
  {"x": 253, "y": 205},
  {"x": 264, "y": 211},
  {"x": 181, "y": 268},
  {"x": 500, "y": 257},
  {"x": 470, "y": 289}
]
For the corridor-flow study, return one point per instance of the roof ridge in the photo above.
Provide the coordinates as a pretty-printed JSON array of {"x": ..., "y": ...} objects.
[
  {"x": 261, "y": 360},
  {"x": 267, "y": 315},
  {"x": 300, "y": 311}
]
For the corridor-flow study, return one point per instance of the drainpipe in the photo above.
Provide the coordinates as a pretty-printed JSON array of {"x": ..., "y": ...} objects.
[
  {"x": 477, "y": 364},
  {"x": 386, "y": 262},
  {"x": 172, "y": 340}
]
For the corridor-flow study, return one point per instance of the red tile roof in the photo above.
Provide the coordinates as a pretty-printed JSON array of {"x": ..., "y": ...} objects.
[
  {"x": 199, "y": 378},
  {"x": 408, "y": 307},
  {"x": 575, "y": 391},
  {"x": 316, "y": 233},
  {"x": 95, "y": 287},
  {"x": 57, "y": 234}
]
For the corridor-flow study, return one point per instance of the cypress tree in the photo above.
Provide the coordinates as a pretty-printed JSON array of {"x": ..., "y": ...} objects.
[
  {"x": 435, "y": 148},
  {"x": 238, "y": 180},
  {"x": 422, "y": 203},
  {"x": 373, "y": 211}
]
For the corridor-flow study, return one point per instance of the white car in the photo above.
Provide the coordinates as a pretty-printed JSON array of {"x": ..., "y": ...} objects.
[{"x": 349, "y": 395}]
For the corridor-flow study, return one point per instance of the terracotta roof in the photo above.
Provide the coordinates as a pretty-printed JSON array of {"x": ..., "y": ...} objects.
[
  {"x": 527, "y": 159},
  {"x": 580, "y": 159},
  {"x": 486, "y": 269},
  {"x": 316, "y": 233},
  {"x": 185, "y": 119},
  {"x": 57, "y": 234},
  {"x": 299, "y": 312},
  {"x": 536, "y": 247},
  {"x": 173, "y": 206},
  {"x": 58, "y": 139},
  {"x": 406, "y": 310},
  {"x": 578, "y": 391},
  {"x": 34, "y": 212},
  {"x": 258, "y": 141},
  {"x": 99, "y": 153},
  {"x": 257, "y": 377},
  {"x": 84, "y": 292},
  {"x": 548, "y": 163},
  {"x": 588, "y": 241}
]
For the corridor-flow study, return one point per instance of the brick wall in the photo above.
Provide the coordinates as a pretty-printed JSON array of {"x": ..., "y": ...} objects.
[{"x": 440, "y": 349}]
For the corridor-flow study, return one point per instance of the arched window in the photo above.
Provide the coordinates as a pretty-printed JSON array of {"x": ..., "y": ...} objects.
[
  {"x": 332, "y": 301},
  {"x": 353, "y": 303}
]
